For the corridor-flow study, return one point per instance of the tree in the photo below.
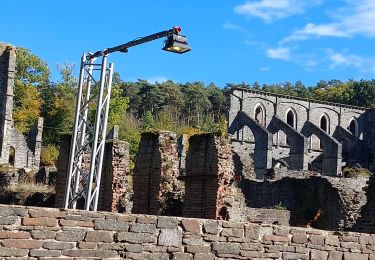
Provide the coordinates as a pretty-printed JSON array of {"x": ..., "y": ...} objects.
[{"x": 32, "y": 74}]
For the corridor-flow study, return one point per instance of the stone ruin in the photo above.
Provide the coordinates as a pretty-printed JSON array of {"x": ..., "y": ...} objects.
[{"x": 16, "y": 150}]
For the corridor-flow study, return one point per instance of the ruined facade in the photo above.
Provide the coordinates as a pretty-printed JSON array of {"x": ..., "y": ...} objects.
[
  {"x": 273, "y": 130},
  {"x": 15, "y": 149}
]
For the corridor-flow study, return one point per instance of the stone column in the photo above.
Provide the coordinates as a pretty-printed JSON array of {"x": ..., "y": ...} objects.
[
  {"x": 209, "y": 174},
  {"x": 155, "y": 172},
  {"x": 62, "y": 170}
]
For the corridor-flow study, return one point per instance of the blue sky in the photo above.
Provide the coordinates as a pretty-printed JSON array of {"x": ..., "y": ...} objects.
[{"x": 233, "y": 41}]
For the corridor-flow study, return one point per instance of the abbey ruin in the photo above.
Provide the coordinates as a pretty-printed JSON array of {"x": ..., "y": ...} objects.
[{"x": 281, "y": 166}]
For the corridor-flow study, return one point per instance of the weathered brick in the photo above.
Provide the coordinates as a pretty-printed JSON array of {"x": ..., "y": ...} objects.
[
  {"x": 299, "y": 238},
  {"x": 127, "y": 218},
  {"x": 133, "y": 248},
  {"x": 14, "y": 235},
  {"x": 22, "y": 243},
  {"x": 76, "y": 223},
  {"x": 14, "y": 252},
  {"x": 8, "y": 220},
  {"x": 204, "y": 257},
  {"x": 102, "y": 254},
  {"x": 111, "y": 225},
  {"x": 170, "y": 237},
  {"x": 198, "y": 249},
  {"x": 70, "y": 236},
  {"x": 318, "y": 255},
  {"x": 45, "y": 253},
  {"x": 9, "y": 211},
  {"x": 293, "y": 256},
  {"x": 251, "y": 246},
  {"x": 334, "y": 255},
  {"x": 353, "y": 256},
  {"x": 147, "y": 256},
  {"x": 143, "y": 228},
  {"x": 252, "y": 232},
  {"x": 37, "y": 213},
  {"x": 211, "y": 227},
  {"x": 43, "y": 221},
  {"x": 43, "y": 234},
  {"x": 317, "y": 240},
  {"x": 191, "y": 225},
  {"x": 51, "y": 245},
  {"x": 226, "y": 248},
  {"x": 99, "y": 236},
  {"x": 86, "y": 245},
  {"x": 276, "y": 248},
  {"x": 232, "y": 232},
  {"x": 147, "y": 220},
  {"x": 170, "y": 223},
  {"x": 275, "y": 238},
  {"x": 182, "y": 256},
  {"x": 136, "y": 237},
  {"x": 332, "y": 240}
]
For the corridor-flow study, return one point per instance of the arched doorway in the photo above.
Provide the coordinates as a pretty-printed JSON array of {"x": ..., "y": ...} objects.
[
  {"x": 324, "y": 125},
  {"x": 12, "y": 155},
  {"x": 291, "y": 119}
]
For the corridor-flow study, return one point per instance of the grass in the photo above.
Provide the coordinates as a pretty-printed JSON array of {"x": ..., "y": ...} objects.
[{"x": 30, "y": 187}]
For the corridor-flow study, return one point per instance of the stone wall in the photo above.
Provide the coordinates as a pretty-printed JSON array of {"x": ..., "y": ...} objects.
[
  {"x": 15, "y": 148},
  {"x": 304, "y": 126},
  {"x": 155, "y": 173},
  {"x": 324, "y": 202},
  {"x": 36, "y": 233}
]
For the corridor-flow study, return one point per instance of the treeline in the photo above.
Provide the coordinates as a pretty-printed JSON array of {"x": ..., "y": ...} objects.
[{"x": 190, "y": 107}]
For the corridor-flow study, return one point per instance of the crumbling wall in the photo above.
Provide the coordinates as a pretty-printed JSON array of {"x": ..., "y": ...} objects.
[
  {"x": 209, "y": 174},
  {"x": 155, "y": 173}
]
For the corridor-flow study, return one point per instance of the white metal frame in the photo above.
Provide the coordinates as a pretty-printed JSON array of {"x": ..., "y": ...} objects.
[{"x": 89, "y": 135}]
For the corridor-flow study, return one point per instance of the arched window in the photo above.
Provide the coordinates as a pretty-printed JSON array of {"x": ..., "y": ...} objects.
[
  {"x": 324, "y": 123},
  {"x": 259, "y": 114},
  {"x": 291, "y": 118},
  {"x": 353, "y": 127},
  {"x": 12, "y": 155}
]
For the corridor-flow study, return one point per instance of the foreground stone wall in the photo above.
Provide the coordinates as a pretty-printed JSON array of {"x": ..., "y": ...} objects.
[{"x": 36, "y": 233}]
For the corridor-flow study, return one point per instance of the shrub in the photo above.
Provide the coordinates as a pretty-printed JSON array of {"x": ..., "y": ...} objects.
[
  {"x": 49, "y": 155},
  {"x": 354, "y": 172}
]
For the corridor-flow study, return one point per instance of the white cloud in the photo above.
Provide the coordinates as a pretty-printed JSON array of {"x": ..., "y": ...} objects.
[
  {"x": 281, "y": 53},
  {"x": 269, "y": 10},
  {"x": 357, "y": 18},
  {"x": 234, "y": 27},
  {"x": 345, "y": 60},
  {"x": 159, "y": 79}
]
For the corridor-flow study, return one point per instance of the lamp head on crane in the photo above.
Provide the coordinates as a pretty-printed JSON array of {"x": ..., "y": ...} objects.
[{"x": 176, "y": 43}]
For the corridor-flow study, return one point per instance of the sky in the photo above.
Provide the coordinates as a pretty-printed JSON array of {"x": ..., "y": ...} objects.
[{"x": 233, "y": 41}]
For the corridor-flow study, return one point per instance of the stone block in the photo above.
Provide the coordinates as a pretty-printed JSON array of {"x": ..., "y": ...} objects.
[
  {"x": 87, "y": 253},
  {"x": 42, "y": 221},
  {"x": 170, "y": 237},
  {"x": 99, "y": 236},
  {"x": 318, "y": 255},
  {"x": 22, "y": 243},
  {"x": 111, "y": 225},
  {"x": 86, "y": 245},
  {"x": 136, "y": 237},
  {"x": 353, "y": 256},
  {"x": 13, "y": 252},
  {"x": 182, "y": 256},
  {"x": 335, "y": 255},
  {"x": 76, "y": 223},
  {"x": 332, "y": 240},
  {"x": 204, "y": 257},
  {"x": 316, "y": 239},
  {"x": 198, "y": 249},
  {"x": 275, "y": 238},
  {"x": 53, "y": 213},
  {"x": 70, "y": 236},
  {"x": 45, "y": 253},
  {"x": 170, "y": 223},
  {"x": 147, "y": 220},
  {"x": 191, "y": 225},
  {"x": 293, "y": 256},
  {"x": 14, "y": 235},
  {"x": 211, "y": 227},
  {"x": 143, "y": 228},
  {"x": 226, "y": 248},
  {"x": 8, "y": 220},
  {"x": 299, "y": 238},
  {"x": 51, "y": 245},
  {"x": 43, "y": 234}
]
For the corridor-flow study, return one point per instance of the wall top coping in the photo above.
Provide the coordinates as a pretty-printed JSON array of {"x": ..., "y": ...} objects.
[{"x": 265, "y": 93}]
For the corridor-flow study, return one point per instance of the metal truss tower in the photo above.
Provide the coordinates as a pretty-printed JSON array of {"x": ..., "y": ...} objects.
[
  {"x": 88, "y": 135},
  {"x": 94, "y": 89}
]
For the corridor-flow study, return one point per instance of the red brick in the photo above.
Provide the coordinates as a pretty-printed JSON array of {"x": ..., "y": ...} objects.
[
  {"x": 22, "y": 243},
  {"x": 15, "y": 235},
  {"x": 47, "y": 222},
  {"x": 76, "y": 223},
  {"x": 191, "y": 225}
]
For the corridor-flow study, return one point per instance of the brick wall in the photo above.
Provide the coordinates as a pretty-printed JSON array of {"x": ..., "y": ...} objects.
[
  {"x": 155, "y": 173},
  {"x": 209, "y": 173},
  {"x": 36, "y": 233}
]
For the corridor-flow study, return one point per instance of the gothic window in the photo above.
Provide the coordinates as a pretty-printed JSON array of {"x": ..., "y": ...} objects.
[
  {"x": 291, "y": 118},
  {"x": 259, "y": 114},
  {"x": 324, "y": 123},
  {"x": 353, "y": 127}
]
